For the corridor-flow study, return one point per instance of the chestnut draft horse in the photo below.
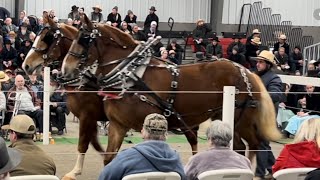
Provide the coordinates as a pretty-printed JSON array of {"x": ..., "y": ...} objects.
[
  {"x": 120, "y": 59},
  {"x": 49, "y": 48}
]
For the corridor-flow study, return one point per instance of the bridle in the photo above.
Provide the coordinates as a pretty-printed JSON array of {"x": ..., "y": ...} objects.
[{"x": 52, "y": 38}]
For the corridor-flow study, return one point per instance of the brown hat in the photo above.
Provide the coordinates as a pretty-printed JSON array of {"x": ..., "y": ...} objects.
[
  {"x": 256, "y": 40},
  {"x": 22, "y": 124},
  {"x": 153, "y": 8},
  {"x": 266, "y": 56},
  {"x": 97, "y": 7},
  {"x": 3, "y": 77}
]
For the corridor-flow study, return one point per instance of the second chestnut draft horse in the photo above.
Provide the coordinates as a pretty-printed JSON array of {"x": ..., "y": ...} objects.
[
  {"x": 49, "y": 49},
  {"x": 120, "y": 61}
]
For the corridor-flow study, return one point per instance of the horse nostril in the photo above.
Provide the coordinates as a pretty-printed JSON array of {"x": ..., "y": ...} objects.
[{"x": 26, "y": 67}]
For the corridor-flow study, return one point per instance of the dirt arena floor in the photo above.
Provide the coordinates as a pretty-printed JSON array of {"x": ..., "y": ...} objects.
[{"x": 65, "y": 155}]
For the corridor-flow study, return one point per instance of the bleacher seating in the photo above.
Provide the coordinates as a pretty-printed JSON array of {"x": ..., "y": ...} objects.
[
  {"x": 227, "y": 174},
  {"x": 292, "y": 173},
  {"x": 153, "y": 176}
]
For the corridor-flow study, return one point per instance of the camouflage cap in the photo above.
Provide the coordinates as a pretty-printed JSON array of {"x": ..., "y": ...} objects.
[{"x": 155, "y": 124}]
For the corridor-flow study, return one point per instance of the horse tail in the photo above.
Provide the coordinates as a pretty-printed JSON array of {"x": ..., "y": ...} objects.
[{"x": 266, "y": 119}]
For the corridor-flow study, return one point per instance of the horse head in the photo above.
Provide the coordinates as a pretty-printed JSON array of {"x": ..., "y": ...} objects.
[
  {"x": 96, "y": 43},
  {"x": 50, "y": 46}
]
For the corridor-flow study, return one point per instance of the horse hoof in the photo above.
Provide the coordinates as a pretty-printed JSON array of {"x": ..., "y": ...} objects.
[{"x": 68, "y": 178}]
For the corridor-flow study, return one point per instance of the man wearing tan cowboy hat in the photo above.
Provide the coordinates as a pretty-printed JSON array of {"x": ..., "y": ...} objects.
[
  {"x": 281, "y": 43},
  {"x": 265, "y": 62},
  {"x": 252, "y": 50},
  {"x": 34, "y": 160},
  {"x": 96, "y": 15},
  {"x": 10, "y": 159},
  {"x": 151, "y": 17},
  {"x": 200, "y": 34},
  {"x": 154, "y": 154}
]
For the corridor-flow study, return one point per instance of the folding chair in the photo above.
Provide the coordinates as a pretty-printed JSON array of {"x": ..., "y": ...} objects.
[
  {"x": 292, "y": 173},
  {"x": 153, "y": 176},
  {"x": 35, "y": 177},
  {"x": 227, "y": 174}
]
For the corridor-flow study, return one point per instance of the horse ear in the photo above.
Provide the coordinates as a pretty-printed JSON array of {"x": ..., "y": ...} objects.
[
  {"x": 85, "y": 20},
  {"x": 51, "y": 22}
]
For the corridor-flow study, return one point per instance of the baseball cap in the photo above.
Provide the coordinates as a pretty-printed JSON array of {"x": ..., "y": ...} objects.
[{"x": 22, "y": 124}]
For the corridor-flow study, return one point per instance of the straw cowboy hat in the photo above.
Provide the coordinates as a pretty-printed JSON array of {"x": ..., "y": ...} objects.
[
  {"x": 3, "y": 77},
  {"x": 10, "y": 158},
  {"x": 256, "y": 40},
  {"x": 283, "y": 37},
  {"x": 97, "y": 7},
  {"x": 266, "y": 56},
  {"x": 256, "y": 31},
  {"x": 199, "y": 20}
]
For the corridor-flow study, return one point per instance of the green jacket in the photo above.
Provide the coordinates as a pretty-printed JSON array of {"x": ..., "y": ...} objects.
[
  {"x": 34, "y": 160},
  {"x": 218, "y": 50}
]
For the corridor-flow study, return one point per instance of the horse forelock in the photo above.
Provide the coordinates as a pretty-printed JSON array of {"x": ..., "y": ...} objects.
[{"x": 69, "y": 31}]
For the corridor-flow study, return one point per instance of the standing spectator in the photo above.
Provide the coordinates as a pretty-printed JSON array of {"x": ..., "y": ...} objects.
[
  {"x": 296, "y": 60},
  {"x": 255, "y": 33},
  {"x": 152, "y": 31},
  {"x": 96, "y": 15},
  {"x": 114, "y": 17},
  {"x": 177, "y": 48},
  {"x": 131, "y": 19},
  {"x": 154, "y": 154},
  {"x": 23, "y": 15},
  {"x": 200, "y": 34},
  {"x": 8, "y": 26},
  {"x": 219, "y": 156},
  {"x": 252, "y": 50},
  {"x": 34, "y": 160},
  {"x": 272, "y": 82},
  {"x": 283, "y": 59},
  {"x": 304, "y": 151},
  {"x": 237, "y": 57},
  {"x": 281, "y": 43},
  {"x": 9, "y": 56},
  {"x": 214, "y": 49},
  {"x": 238, "y": 43},
  {"x": 10, "y": 159},
  {"x": 137, "y": 34},
  {"x": 151, "y": 17}
]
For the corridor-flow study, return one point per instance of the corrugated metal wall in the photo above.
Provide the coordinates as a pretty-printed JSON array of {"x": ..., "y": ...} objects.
[
  {"x": 9, "y": 5},
  {"x": 299, "y": 12},
  {"x": 186, "y": 11}
]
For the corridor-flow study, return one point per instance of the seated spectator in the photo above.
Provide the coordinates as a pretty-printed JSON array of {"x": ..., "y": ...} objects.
[
  {"x": 3, "y": 78},
  {"x": 124, "y": 27},
  {"x": 154, "y": 154},
  {"x": 152, "y": 31},
  {"x": 29, "y": 103},
  {"x": 74, "y": 15},
  {"x": 96, "y": 15},
  {"x": 10, "y": 159},
  {"x": 40, "y": 25},
  {"x": 236, "y": 42},
  {"x": 281, "y": 43},
  {"x": 36, "y": 85},
  {"x": 15, "y": 41},
  {"x": 296, "y": 60},
  {"x": 214, "y": 49},
  {"x": 172, "y": 56},
  {"x": 34, "y": 160},
  {"x": 164, "y": 54},
  {"x": 59, "y": 107},
  {"x": 9, "y": 56},
  {"x": 156, "y": 46},
  {"x": 114, "y": 17},
  {"x": 200, "y": 34},
  {"x": 25, "y": 48},
  {"x": 9, "y": 26},
  {"x": 255, "y": 33},
  {"x": 219, "y": 156},
  {"x": 6, "y": 85},
  {"x": 23, "y": 15},
  {"x": 304, "y": 152},
  {"x": 177, "y": 48},
  {"x": 32, "y": 37},
  {"x": 137, "y": 34},
  {"x": 131, "y": 19},
  {"x": 283, "y": 59},
  {"x": 237, "y": 57},
  {"x": 150, "y": 18},
  {"x": 252, "y": 50},
  {"x": 69, "y": 22},
  {"x": 52, "y": 14}
]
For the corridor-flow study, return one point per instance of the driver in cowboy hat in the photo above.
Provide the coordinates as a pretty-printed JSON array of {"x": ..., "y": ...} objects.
[
  {"x": 265, "y": 62},
  {"x": 10, "y": 159},
  {"x": 96, "y": 15}
]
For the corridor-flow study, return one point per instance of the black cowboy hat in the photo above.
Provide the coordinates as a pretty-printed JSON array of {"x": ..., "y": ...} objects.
[
  {"x": 153, "y": 8},
  {"x": 74, "y": 7},
  {"x": 10, "y": 158}
]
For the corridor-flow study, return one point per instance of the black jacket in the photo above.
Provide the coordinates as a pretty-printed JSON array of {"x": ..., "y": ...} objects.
[
  {"x": 201, "y": 31},
  {"x": 241, "y": 47},
  {"x": 60, "y": 99},
  {"x": 149, "y": 19},
  {"x": 238, "y": 58},
  {"x": 285, "y": 45},
  {"x": 114, "y": 19}
]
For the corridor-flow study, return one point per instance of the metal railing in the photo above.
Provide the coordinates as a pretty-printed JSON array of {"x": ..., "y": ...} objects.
[{"x": 310, "y": 53}]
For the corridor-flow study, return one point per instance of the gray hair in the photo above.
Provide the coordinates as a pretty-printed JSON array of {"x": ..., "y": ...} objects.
[{"x": 219, "y": 133}]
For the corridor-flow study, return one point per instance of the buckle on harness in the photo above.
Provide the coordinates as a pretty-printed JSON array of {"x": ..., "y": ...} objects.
[
  {"x": 167, "y": 113},
  {"x": 174, "y": 84}
]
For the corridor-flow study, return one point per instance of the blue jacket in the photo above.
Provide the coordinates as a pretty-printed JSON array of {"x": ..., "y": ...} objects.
[{"x": 148, "y": 156}]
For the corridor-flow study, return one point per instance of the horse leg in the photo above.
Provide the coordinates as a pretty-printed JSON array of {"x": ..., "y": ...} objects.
[
  {"x": 87, "y": 133},
  {"x": 115, "y": 138},
  {"x": 238, "y": 145},
  {"x": 192, "y": 137}
]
